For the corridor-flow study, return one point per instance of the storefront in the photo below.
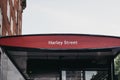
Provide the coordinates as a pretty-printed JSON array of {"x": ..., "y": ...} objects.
[{"x": 60, "y": 56}]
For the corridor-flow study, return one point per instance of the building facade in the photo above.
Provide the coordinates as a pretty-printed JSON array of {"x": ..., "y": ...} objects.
[
  {"x": 10, "y": 24},
  {"x": 11, "y": 17}
]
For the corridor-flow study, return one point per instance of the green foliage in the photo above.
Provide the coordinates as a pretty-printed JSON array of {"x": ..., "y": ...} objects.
[{"x": 117, "y": 66}]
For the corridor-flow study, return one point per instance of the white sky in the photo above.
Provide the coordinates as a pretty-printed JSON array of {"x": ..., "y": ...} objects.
[{"x": 72, "y": 16}]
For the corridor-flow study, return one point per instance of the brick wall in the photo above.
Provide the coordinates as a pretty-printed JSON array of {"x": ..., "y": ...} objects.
[{"x": 11, "y": 17}]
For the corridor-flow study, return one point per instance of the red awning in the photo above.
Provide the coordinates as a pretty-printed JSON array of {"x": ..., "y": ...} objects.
[{"x": 61, "y": 41}]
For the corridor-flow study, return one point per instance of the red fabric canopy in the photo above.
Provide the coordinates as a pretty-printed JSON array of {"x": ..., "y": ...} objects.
[{"x": 61, "y": 41}]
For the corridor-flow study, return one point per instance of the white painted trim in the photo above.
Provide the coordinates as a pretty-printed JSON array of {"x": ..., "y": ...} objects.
[
  {"x": 0, "y": 22},
  {"x": 11, "y": 24},
  {"x": 8, "y": 10}
]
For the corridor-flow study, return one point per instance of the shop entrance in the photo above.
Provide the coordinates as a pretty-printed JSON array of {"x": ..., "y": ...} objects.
[
  {"x": 61, "y": 56},
  {"x": 70, "y": 65}
]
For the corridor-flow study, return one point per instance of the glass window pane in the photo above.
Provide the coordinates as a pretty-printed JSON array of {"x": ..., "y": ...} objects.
[{"x": 86, "y": 75}]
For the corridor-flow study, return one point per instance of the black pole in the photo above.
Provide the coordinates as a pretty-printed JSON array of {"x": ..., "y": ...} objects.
[
  {"x": 60, "y": 75},
  {"x": 84, "y": 75},
  {"x": 112, "y": 70}
]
